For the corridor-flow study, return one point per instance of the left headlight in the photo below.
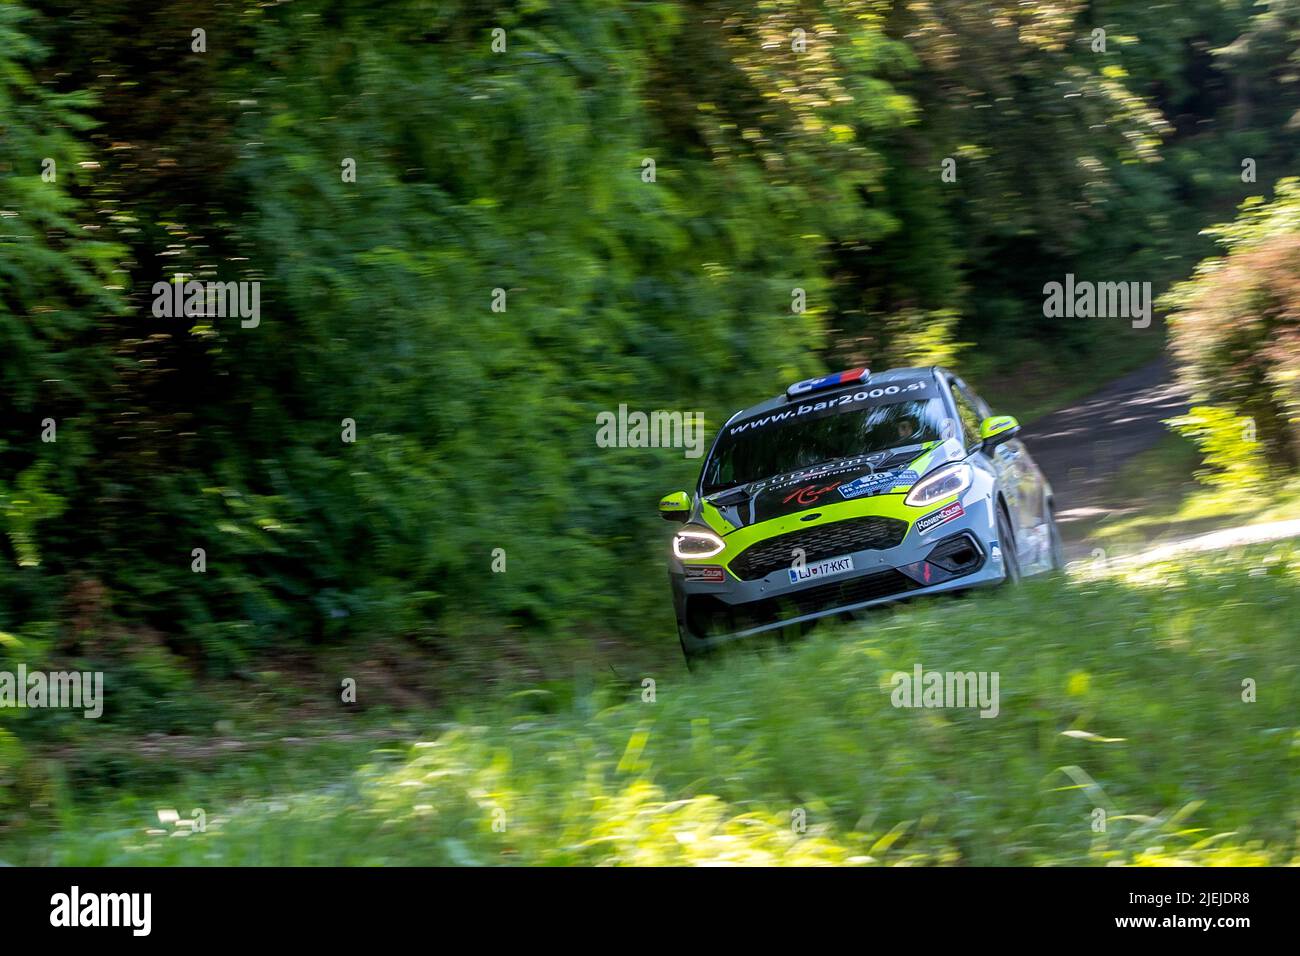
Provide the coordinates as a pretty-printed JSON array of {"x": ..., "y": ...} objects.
[
  {"x": 697, "y": 543},
  {"x": 943, "y": 482}
]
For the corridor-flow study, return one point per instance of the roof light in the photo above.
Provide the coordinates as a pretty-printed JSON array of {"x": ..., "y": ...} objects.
[{"x": 837, "y": 380}]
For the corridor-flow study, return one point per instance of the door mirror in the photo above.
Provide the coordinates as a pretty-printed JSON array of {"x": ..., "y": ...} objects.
[
  {"x": 675, "y": 507},
  {"x": 994, "y": 431}
]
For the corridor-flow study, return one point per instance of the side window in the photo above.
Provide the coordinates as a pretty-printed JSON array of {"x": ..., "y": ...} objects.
[{"x": 969, "y": 414}]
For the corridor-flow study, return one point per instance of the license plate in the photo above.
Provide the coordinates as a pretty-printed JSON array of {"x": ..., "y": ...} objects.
[{"x": 821, "y": 569}]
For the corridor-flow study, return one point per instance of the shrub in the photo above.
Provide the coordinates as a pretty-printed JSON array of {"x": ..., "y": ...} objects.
[
  {"x": 1236, "y": 323},
  {"x": 1227, "y": 444}
]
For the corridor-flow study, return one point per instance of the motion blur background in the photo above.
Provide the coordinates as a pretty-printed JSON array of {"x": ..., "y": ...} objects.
[{"x": 778, "y": 165}]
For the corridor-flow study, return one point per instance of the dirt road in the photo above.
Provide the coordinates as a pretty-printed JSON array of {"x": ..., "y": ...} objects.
[{"x": 1081, "y": 447}]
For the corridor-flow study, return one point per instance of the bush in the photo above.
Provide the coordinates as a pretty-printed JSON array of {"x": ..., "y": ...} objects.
[
  {"x": 1236, "y": 324},
  {"x": 1228, "y": 446}
]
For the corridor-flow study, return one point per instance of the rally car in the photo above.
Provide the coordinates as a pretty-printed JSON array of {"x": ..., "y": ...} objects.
[{"x": 853, "y": 490}]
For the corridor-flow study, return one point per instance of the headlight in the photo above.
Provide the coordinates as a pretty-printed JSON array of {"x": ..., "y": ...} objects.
[
  {"x": 697, "y": 544},
  {"x": 943, "y": 482}
]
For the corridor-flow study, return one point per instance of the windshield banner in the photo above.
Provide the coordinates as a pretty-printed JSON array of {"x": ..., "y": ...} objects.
[{"x": 918, "y": 390}]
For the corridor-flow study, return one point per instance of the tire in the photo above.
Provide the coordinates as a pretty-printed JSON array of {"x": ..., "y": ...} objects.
[
  {"x": 1057, "y": 546},
  {"x": 1007, "y": 541}
]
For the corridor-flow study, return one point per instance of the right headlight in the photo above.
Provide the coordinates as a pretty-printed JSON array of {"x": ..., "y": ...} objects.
[
  {"x": 697, "y": 543},
  {"x": 944, "y": 482}
]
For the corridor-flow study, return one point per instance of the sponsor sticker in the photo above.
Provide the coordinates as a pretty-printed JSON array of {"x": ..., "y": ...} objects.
[
  {"x": 905, "y": 479},
  {"x": 808, "y": 494},
  {"x": 942, "y": 516},
  {"x": 822, "y": 569},
  {"x": 790, "y": 479},
  {"x": 877, "y": 484},
  {"x": 710, "y": 573},
  {"x": 868, "y": 485}
]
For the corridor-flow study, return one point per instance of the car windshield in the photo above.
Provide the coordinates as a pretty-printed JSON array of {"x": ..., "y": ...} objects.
[{"x": 770, "y": 446}]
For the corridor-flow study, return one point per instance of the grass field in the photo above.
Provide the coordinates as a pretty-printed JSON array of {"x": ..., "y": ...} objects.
[{"x": 1119, "y": 697}]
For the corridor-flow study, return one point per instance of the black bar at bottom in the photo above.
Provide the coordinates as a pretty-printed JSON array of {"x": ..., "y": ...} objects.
[{"x": 493, "y": 905}]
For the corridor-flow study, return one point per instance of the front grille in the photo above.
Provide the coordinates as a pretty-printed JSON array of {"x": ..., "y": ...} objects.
[
  {"x": 824, "y": 541},
  {"x": 707, "y": 614}
]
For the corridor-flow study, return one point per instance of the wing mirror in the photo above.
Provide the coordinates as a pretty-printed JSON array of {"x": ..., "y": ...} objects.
[
  {"x": 998, "y": 429},
  {"x": 675, "y": 507}
]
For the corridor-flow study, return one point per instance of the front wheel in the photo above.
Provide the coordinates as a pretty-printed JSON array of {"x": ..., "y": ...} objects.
[
  {"x": 1007, "y": 541},
  {"x": 1057, "y": 547}
]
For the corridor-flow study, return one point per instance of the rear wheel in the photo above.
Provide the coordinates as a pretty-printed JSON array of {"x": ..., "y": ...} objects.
[{"x": 1007, "y": 541}]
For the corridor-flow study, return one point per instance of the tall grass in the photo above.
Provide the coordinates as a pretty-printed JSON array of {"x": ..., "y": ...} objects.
[{"x": 1121, "y": 698}]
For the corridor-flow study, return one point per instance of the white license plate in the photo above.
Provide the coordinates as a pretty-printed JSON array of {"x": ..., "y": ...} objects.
[{"x": 822, "y": 569}]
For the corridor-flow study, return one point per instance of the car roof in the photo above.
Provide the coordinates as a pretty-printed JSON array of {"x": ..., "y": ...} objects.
[{"x": 888, "y": 375}]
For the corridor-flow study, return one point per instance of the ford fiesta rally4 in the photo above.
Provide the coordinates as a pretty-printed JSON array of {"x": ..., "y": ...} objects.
[{"x": 849, "y": 491}]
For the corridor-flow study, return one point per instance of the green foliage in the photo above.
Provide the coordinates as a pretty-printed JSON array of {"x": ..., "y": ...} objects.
[
  {"x": 1236, "y": 322},
  {"x": 776, "y": 169},
  {"x": 515, "y": 172},
  {"x": 1227, "y": 446},
  {"x": 23, "y": 506},
  {"x": 924, "y": 338},
  {"x": 57, "y": 281}
]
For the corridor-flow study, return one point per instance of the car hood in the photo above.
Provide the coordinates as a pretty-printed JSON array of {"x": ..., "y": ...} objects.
[{"x": 893, "y": 471}]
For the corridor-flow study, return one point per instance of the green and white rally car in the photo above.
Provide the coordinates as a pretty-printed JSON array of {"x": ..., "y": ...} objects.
[{"x": 849, "y": 491}]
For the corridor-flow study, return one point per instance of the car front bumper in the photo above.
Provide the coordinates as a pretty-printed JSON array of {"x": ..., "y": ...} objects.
[{"x": 962, "y": 553}]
